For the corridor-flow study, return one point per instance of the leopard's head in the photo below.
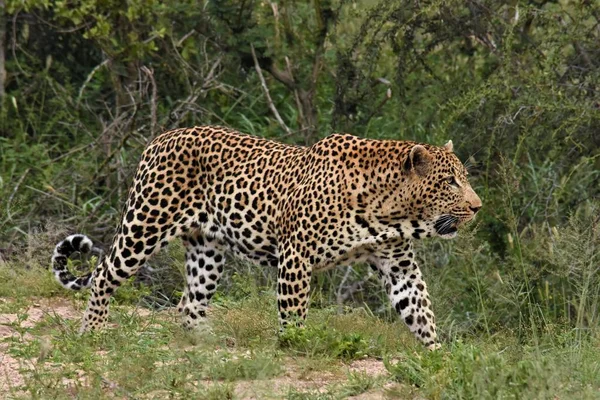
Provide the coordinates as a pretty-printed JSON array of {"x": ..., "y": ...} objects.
[{"x": 439, "y": 190}]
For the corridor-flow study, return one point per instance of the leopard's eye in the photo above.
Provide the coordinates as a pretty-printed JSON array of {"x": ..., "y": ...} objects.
[{"x": 451, "y": 181}]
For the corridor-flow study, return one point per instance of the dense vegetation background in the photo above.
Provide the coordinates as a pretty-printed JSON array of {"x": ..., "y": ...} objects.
[{"x": 515, "y": 84}]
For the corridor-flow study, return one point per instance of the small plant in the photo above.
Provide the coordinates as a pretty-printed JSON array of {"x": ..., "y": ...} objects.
[
  {"x": 415, "y": 369},
  {"x": 351, "y": 346},
  {"x": 324, "y": 340},
  {"x": 358, "y": 382},
  {"x": 216, "y": 391}
]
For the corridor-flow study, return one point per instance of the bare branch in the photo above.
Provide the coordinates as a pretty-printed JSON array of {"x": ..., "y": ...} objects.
[
  {"x": 150, "y": 73},
  {"x": 388, "y": 95},
  {"x": 296, "y": 96},
  {"x": 14, "y": 192},
  {"x": 267, "y": 94},
  {"x": 89, "y": 78},
  {"x": 342, "y": 296}
]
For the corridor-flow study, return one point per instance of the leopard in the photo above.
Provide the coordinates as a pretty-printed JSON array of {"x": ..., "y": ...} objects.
[{"x": 299, "y": 209}]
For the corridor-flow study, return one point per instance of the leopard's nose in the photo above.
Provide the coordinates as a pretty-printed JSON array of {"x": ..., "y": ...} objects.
[{"x": 473, "y": 200}]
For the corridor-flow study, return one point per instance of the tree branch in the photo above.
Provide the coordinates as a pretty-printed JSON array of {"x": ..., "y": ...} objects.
[
  {"x": 154, "y": 101},
  {"x": 267, "y": 94}
]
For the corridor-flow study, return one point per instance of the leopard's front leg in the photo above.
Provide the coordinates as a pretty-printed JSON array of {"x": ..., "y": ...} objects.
[{"x": 408, "y": 292}]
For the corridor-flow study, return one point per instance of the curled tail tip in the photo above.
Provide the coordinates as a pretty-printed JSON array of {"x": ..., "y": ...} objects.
[
  {"x": 62, "y": 251},
  {"x": 74, "y": 243}
]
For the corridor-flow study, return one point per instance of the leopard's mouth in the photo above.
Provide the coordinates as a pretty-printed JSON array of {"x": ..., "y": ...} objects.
[{"x": 446, "y": 225}]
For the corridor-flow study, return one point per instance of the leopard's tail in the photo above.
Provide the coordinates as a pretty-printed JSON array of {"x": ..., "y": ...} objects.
[{"x": 62, "y": 251}]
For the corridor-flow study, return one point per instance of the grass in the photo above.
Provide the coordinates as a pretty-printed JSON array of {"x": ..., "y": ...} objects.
[
  {"x": 146, "y": 354},
  {"x": 501, "y": 368}
]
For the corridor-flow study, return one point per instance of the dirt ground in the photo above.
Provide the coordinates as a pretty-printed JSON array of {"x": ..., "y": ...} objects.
[{"x": 13, "y": 370}]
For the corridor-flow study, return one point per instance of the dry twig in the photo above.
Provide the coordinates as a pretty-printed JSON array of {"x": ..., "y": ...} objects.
[
  {"x": 89, "y": 78},
  {"x": 150, "y": 73},
  {"x": 342, "y": 296},
  {"x": 14, "y": 192},
  {"x": 268, "y": 95}
]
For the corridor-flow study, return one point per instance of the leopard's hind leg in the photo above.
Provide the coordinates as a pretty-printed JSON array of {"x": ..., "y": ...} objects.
[
  {"x": 126, "y": 256},
  {"x": 204, "y": 261},
  {"x": 136, "y": 240}
]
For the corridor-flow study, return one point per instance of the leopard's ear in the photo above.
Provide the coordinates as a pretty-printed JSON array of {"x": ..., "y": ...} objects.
[
  {"x": 449, "y": 147},
  {"x": 418, "y": 160}
]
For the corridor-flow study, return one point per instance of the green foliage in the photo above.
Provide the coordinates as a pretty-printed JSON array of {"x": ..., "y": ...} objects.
[
  {"x": 324, "y": 340},
  {"x": 483, "y": 371}
]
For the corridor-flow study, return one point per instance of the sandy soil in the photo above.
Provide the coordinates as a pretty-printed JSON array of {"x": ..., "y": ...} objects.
[
  {"x": 314, "y": 381},
  {"x": 12, "y": 370}
]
